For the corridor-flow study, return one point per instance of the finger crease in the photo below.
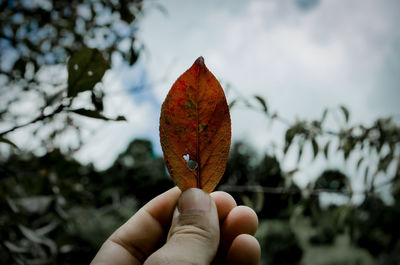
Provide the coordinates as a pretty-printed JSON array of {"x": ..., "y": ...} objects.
[{"x": 131, "y": 248}]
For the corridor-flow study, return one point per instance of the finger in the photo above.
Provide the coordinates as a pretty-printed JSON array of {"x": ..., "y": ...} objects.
[
  {"x": 245, "y": 250},
  {"x": 194, "y": 234},
  {"x": 224, "y": 202},
  {"x": 134, "y": 241},
  {"x": 240, "y": 220}
]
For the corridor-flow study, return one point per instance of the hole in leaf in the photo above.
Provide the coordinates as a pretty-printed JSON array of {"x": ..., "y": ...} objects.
[
  {"x": 90, "y": 73},
  {"x": 76, "y": 67},
  {"x": 186, "y": 157},
  {"x": 191, "y": 164}
]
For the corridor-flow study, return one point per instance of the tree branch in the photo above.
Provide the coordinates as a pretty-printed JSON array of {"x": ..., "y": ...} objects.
[{"x": 41, "y": 117}]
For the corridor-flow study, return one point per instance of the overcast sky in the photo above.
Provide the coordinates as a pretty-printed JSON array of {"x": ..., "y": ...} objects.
[{"x": 301, "y": 56}]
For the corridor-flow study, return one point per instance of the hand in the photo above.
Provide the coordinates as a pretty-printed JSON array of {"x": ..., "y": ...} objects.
[{"x": 205, "y": 229}]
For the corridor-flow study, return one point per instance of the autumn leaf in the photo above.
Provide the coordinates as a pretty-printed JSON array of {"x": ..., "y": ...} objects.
[{"x": 195, "y": 129}]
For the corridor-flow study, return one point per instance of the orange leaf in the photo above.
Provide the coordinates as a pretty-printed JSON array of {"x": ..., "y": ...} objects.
[{"x": 195, "y": 129}]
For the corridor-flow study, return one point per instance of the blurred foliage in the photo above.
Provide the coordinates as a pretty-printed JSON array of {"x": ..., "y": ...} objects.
[
  {"x": 38, "y": 196},
  {"x": 332, "y": 180},
  {"x": 58, "y": 211},
  {"x": 373, "y": 151},
  {"x": 243, "y": 169},
  {"x": 139, "y": 172},
  {"x": 376, "y": 225},
  {"x": 280, "y": 244},
  {"x": 380, "y": 140},
  {"x": 36, "y": 40},
  {"x": 55, "y": 210}
]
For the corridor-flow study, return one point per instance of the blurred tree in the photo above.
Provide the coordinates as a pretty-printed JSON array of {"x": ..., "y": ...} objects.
[
  {"x": 269, "y": 172},
  {"x": 375, "y": 146},
  {"x": 330, "y": 180},
  {"x": 36, "y": 196},
  {"x": 55, "y": 210},
  {"x": 375, "y": 228},
  {"x": 139, "y": 172},
  {"x": 280, "y": 245},
  {"x": 324, "y": 219},
  {"x": 325, "y": 226},
  {"x": 37, "y": 38},
  {"x": 58, "y": 211},
  {"x": 240, "y": 166},
  {"x": 279, "y": 204},
  {"x": 245, "y": 170},
  {"x": 334, "y": 180}
]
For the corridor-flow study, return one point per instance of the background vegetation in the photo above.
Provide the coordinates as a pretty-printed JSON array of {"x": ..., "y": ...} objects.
[{"x": 55, "y": 210}]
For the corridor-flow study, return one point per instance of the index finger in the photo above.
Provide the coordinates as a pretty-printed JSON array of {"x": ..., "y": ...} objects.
[{"x": 135, "y": 240}]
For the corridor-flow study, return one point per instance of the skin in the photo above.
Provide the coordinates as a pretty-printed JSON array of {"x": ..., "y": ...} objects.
[{"x": 221, "y": 235}]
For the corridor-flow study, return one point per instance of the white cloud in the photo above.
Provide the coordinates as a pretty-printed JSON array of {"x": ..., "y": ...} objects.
[
  {"x": 300, "y": 61},
  {"x": 111, "y": 138}
]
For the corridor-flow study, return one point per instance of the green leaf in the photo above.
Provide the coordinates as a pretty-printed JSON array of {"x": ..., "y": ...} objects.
[
  {"x": 347, "y": 149},
  {"x": 359, "y": 162},
  {"x": 246, "y": 200},
  {"x": 97, "y": 100},
  {"x": 289, "y": 135},
  {"x": 326, "y": 149},
  {"x": 120, "y": 118},
  {"x": 6, "y": 141},
  {"x": 34, "y": 204},
  {"x": 259, "y": 199},
  {"x": 397, "y": 173},
  {"x": 291, "y": 172},
  {"x": 384, "y": 162},
  {"x": 343, "y": 216},
  {"x": 315, "y": 147},
  {"x": 86, "y": 68},
  {"x": 36, "y": 237},
  {"x": 20, "y": 66},
  {"x": 324, "y": 115},
  {"x": 96, "y": 115},
  {"x": 346, "y": 113},
  {"x": 16, "y": 248},
  {"x": 233, "y": 102},
  {"x": 30, "y": 234},
  {"x": 366, "y": 173},
  {"x": 301, "y": 147},
  {"x": 262, "y": 102},
  {"x": 133, "y": 56}
]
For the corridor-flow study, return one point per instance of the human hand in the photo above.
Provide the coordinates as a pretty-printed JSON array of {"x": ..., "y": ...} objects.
[{"x": 205, "y": 229}]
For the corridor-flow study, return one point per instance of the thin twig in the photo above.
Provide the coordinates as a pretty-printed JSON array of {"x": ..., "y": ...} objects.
[
  {"x": 282, "y": 190},
  {"x": 41, "y": 117},
  {"x": 275, "y": 115}
]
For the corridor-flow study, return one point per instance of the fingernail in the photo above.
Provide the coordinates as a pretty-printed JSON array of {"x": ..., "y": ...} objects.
[{"x": 194, "y": 199}]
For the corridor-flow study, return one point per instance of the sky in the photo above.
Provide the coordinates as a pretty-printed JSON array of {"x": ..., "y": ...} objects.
[{"x": 300, "y": 55}]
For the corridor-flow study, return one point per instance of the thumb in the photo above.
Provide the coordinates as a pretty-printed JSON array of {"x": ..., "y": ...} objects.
[{"x": 194, "y": 234}]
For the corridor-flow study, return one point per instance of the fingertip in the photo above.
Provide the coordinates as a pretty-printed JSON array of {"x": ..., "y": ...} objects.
[
  {"x": 194, "y": 235},
  {"x": 224, "y": 202},
  {"x": 142, "y": 233},
  {"x": 245, "y": 250},
  {"x": 247, "y": 212},
  {"x": 242, "y": 220},
  {"x": 162, "y": 206}
]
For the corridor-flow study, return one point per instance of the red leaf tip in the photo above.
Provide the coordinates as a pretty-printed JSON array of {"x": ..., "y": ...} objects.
[{"x": 200, "y": 61}]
